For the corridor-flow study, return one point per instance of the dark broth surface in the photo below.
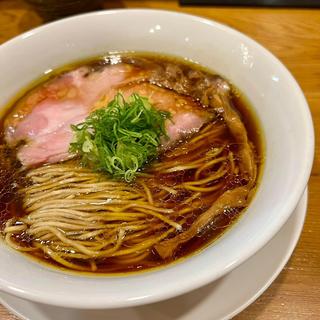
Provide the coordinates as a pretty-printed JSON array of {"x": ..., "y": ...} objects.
[{"x": 12, "y": 177}]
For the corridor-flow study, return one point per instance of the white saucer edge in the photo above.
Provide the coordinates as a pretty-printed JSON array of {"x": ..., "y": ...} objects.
[{"x": 302, "y": 205}]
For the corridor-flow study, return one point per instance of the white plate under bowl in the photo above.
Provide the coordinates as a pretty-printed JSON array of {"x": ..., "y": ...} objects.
[{"x": 222, "y": 299}]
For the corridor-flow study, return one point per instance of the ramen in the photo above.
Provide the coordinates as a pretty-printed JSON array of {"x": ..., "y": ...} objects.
[{"x": 125, "y": 163}]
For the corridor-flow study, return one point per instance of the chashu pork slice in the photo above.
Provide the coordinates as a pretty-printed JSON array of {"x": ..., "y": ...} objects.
[{"x": 40, "y": 124}]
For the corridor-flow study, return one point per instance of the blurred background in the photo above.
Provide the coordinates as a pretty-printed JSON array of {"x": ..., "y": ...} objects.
[{"x": 17, "y": 16}]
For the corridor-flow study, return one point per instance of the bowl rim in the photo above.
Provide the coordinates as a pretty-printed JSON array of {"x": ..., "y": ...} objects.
[{"x": 100, "y": 302}]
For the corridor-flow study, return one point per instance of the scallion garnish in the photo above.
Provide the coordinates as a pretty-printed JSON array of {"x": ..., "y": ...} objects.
[{"x": 121, "y": 138}]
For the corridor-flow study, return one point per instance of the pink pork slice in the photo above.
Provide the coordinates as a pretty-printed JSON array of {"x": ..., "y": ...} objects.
[
  {"x": 43, "y": 119},
  {"x": 187, "y": 116}
]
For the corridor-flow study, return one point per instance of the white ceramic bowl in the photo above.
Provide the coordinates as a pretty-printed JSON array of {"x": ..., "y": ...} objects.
[{"x": 274, "y": 94}]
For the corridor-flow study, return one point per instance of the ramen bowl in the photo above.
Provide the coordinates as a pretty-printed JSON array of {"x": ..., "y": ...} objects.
[{"x": 275, "y": 96}]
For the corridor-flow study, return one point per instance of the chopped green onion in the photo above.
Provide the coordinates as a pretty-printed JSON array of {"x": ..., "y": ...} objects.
[{"x": 121, "y": 138}]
